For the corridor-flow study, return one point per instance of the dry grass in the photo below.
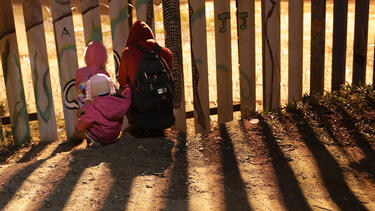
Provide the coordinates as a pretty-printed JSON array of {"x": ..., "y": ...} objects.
[{"x": 211, "y": 55}]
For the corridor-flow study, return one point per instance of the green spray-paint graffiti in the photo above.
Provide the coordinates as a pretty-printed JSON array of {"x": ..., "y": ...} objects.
[
  {"x": 121, "y": 16},
  {"x": 198, "y": 14},
  {"x": 248, "y": 83},
  {"x": 96, "y": 33},
  {"x": 65, "y": 48},
  {"x": 222, "y": 67},
  {"x": 197, "y": 102},
  {"x": 22, "y": 111},
  {"x": 21, "y": 114},
  {"x": 46, "y": 114},
  {"x": 139, "y": 3},
  {"x": 4, "y": 60}
]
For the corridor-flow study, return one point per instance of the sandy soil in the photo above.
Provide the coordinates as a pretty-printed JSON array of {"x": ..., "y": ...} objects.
[{"x": 316, "y": 155}]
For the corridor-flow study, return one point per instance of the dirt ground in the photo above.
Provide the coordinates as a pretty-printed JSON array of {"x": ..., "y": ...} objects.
[{"x": 317, "y": 155}]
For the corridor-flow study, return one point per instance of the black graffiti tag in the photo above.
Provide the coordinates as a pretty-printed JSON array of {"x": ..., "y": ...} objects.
[
  {"x": 223, "y": 17},
  {"x": 242, "y": 16},
  {"x": 65, "y": 32},
  {"x": 68, "y": 103}
]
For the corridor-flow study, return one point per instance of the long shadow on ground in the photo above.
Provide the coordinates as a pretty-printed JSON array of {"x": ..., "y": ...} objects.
[
  {"x": 367, "y": 164},
  {"x": 234, "y": 188},
  {"x": 323, "y": 113},
  {"x": 11, "y": 187},
  {"x": 126, "y": 159},
  {"x": 287, "y": 181},
  {"x": 178, "y": 190},
  {"x": 331, "y": 172}
]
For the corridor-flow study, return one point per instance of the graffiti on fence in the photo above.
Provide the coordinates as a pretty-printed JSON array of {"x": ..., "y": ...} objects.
[
  {"x": 121, "y": 16},
  {"x": 195, "y": 72},
  {"x": 242, "y": 16},
  {"x": 20, "y": 112},
  {"x": 69, "y": 103},
  {"x": 117, "y": 58},
  {"x": 91, "y": 21},
  {"x": 46, "y": 114},
  {"x": 223, "y": 17},
  {"x": 248, "y": 86},
  {"x": 65, "y": 32}
]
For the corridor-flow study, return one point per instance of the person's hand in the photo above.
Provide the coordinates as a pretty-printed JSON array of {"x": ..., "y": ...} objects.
[{"x": 127, "y": 92}]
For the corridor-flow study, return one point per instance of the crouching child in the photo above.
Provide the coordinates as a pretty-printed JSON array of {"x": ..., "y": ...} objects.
[{"x": 105, "y": 110}]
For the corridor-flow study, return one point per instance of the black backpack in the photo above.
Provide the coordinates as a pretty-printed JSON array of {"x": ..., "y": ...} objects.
[{"x": 153, "y": 92}]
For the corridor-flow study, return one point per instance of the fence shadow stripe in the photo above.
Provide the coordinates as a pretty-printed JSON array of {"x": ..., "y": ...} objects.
[
  {"x": 286, "y": 179},
  {"x": 331, "y": 172},
  {"x": 359, "y": 138},
  {"x": 234, "y": 188},
  {"x": 179, "y": 178},
  {"x": 8, "y": 190}
]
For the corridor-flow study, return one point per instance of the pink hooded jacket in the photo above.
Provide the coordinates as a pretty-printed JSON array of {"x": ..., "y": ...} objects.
[
  {"x": 103, "y": 117},
  {"x": 95, "y": 58}
]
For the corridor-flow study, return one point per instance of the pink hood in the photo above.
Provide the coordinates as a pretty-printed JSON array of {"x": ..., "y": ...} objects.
[
  {"x": 95, "y": 55},
  {"x": 95, "y": 58}
]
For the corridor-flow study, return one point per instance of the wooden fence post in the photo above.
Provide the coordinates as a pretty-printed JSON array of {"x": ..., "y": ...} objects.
[
  {"x": 246, "y": 51},
  {"x": 198, "y": 43},
  {"x": 223, "y": 60},
  {"x": 271, "y": 54},
  {"x": 318, "y": 22},
  {"x": 360, "y": 41},
  {"x": 145, "y": 12},
  {"x": 12, "y": 75},
  {"x": 67, "y": 60},
  {"x": 295, "y": 50},
  {"x": 91, "y": 21},
  {"x": 118, "y": 12},
  {"x": 172, "y": 29},
  {"x": 339, "y": 43},
  {"x": 40, "y": 69}
]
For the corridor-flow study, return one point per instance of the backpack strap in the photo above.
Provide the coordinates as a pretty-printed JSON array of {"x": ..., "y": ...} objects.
[{"x": 144, "y": 50}]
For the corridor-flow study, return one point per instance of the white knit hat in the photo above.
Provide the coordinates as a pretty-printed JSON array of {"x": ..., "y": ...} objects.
[{"x": 99, "y": 84}]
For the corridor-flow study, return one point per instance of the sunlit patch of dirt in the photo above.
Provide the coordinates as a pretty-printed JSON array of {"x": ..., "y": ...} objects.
[{"x": 317, "y": 154}]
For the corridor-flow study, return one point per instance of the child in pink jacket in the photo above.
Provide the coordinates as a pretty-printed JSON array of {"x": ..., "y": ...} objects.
[
  {"x": 95, "y": 58},
  {"x": 105, "y": 110}
]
